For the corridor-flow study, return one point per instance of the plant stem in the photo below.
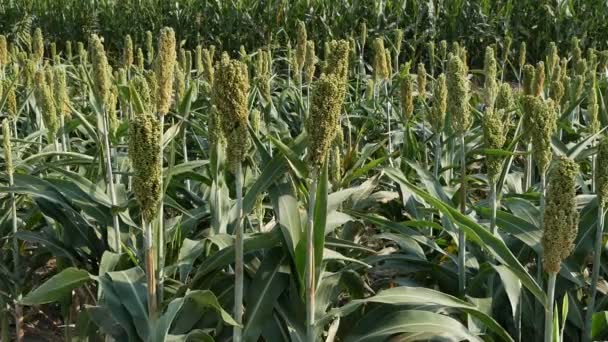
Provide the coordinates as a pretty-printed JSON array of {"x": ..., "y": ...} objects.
[
  {"x": 185, "y": 152},
  {"x": 595, "y": 273},
  {"x": 493, "y": 207},
  {"x": 310, "y": 262},
  {"x": 388, "y": 123},
  {"x": 160, "y": 244},
  {"x": 110, "y": 181},
  {"x": 529, "y": 166},
  {"x": 549, "y": 308},
  {"x": 150, "y": 269},
  {"x": 463, "y": 208},
  {"x": 238, "y": 253},
  {"x": 16, "y": 263},
  {"x": 437, "y": 165}
]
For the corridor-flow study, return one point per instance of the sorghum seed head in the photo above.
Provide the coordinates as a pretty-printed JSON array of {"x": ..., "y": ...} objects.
[
  {"x": 363, "y": 32},
  {"x": 552, "y": 59},
  {"x": 458, "y": 95},
  {"x": 301, "y": 40},
  {"x": 522, "y": 55},
  {"x": 11, "y": 103},
  {"x": 4, "y": 56},
  {"x": 407, "y": 96},
  {"x": 310, "y": 61},
  {"x": 440, "y": 98},
  {"x": 369, "y": 89},
  {"x": 421, "y": 79},
  {"x": 397, "y": 40},
  {"x": 593, "y": 110},
  {"x": 337, "y": 64},
  {"x": 380, "y": 62},
  {"x": 560, "y": 220},
  {"x": 490, "y": 90},
  {"x": 556, "y": 88},
  {"x": 180, "y": 83},
  {"x": 539, "y": 79},
  {"x": 144, "y": 151},
  {"x": 230, "y": 92},
  {"x": 494, "y": 134},
  {"x": 207, "y": 57},
  {"x": 256, "y": 119},
  {"x": 443, "y": 50},
  {"x": 505, "y": 100},
  {"x": 601, "y": 176},
  {"x": 165, "y": 66},
  {"x": 389, "y": 65},
  {"x": 506, "y": 47},
  {"x": 127, "y": 52},
  {"x": 324, "y": 116},
  {"x": 38, "y": 45},
  {"x": 8, "y": 155},
  {"x": 62, "y": 98},
  {"x": 149, "y": 47},
  {"x": 528, "y": 79},
  {"x": 140, "y": 84},
  {"x": 140, "y": 59},
  {"x": 44, "y": 99},
  {"x": 101, "y": 76},
  {"x": 53, "y": 50},
  {"x": 431, "y": 51},
  {"x": 540, "y": 124},
  {"x": 68, "y": 50}
]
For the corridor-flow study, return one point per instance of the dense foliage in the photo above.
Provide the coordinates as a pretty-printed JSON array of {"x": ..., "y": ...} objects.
[{"x": 302, "y": 187}]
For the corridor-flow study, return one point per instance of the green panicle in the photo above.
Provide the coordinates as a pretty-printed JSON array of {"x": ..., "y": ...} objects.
[
  {"x": 53, "y": 48},
  {"x": 593, "y": 110},
  {"x": 522, "y": 55},
  {"x": 83, "y": 54},
  {"x": 6, "y": 144},
  {"x": 352, "y": 49},
  {"x": 122, "y": 76},
  {"x": 38, "y": 46},
  {"x": 30, "y": 71},
  {"x": 369, "y": 89},
  {"x": 603, "y": 60},
  {"x": 380, "y": 62},
  {"x": 180, "y": 83},
  {"x": 494, "y": 135},
  {"x": 560, "y": 220},
  {"x": 11, "y": 103},
  {"x": 540, "y": 124},
  {"x": 421, "y": 79},
  {"x": 458, "y": 95},
  {"x": 552, "y": 59},
  {"x": 443, "y": 50},
  {"x": 164, "y": 68},
  {"x": 208, "y": 65},
  {"x": 581, "y": 67},
  {"x": 4, "y": 56},
  {"x": 144, "y": 152},
  {"x": 430, "y": 46},
  {"x": 389, "y": 65},
  {"x": 490, "y": 68},
  {"x": 139, "y": 60},
  {"x": 576, "y": 86},
  {"x": 506, "y": 48},
  {"x": 243, "y": 55},
  {"x": 529, "y": 82},
  {"x": 111, "y": 110},
  {"x": 556, "y": 88},
  {"x": 140, "y": 84},
  {"x": 310, "y": 61},
  {"x": 262, "y": 78},
  {"x": 363, "y": 32},
  {"x": 127, "y": 52},
  {"x": 337, "y": 64},
  {"x": 539, "y": 79},
  {"x": 440, "y": 98},
  {"x": 181, "y": 59},
  {"x": 505, "y": 100},
  {"x": 152, "y": 80},
  {"x": 406, "y": 84},
  {"x": 230, "y": 92},
  {"x": 46, "y": 103},
  {"x": 397, "y": 41},
  {"x": 62, "y": 98},
  {"x": 68, "y": 50},
  {"x": 301, "y": 40},
  {"x": 149, "y": 48},
  {"x": 601, "y": 176},
  {"x": 198, "y": 58},
  {"x": 101, "y": 76},
  {"x": 577, "y": 53},
  {"x": 455, "y": 49},
  {"x": 324, "y": 115}
]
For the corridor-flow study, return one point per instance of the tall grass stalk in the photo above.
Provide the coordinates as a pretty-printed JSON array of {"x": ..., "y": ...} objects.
[
  {"x": 549, "y": 307},
  {"x": 239, "y": 261},
  {"x": 110, "y": 180},
  {"x": 463, "y": 209},
  {"x": 601, "y": 216},
  {"x": 310, "y": 262}
]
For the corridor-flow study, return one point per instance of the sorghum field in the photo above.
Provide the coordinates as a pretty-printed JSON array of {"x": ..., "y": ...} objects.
[{"x": 303, "y": 170}]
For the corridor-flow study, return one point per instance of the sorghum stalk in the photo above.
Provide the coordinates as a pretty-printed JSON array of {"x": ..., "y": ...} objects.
[
  {"x": 421, "y": 79},
  {"x": 102, "y": 84},
  {"x": 601, "y": 179},
  {"x": 397, "y": 41},
  {"x": 310, "y": 262},
  {"x": 458, "y": 106},
  {"x": 560, "y": 227},
  {"x": 8, "y": 160},
  {"x": 231, "y": 88},
  {"x": 437, "y": 118}
]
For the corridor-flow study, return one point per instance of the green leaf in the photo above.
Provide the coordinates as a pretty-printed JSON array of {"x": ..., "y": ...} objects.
[
  {"x": 379, "y": 326},
  {"x": 59, "y": 286},
  {"x": 477, "y": 234}
]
